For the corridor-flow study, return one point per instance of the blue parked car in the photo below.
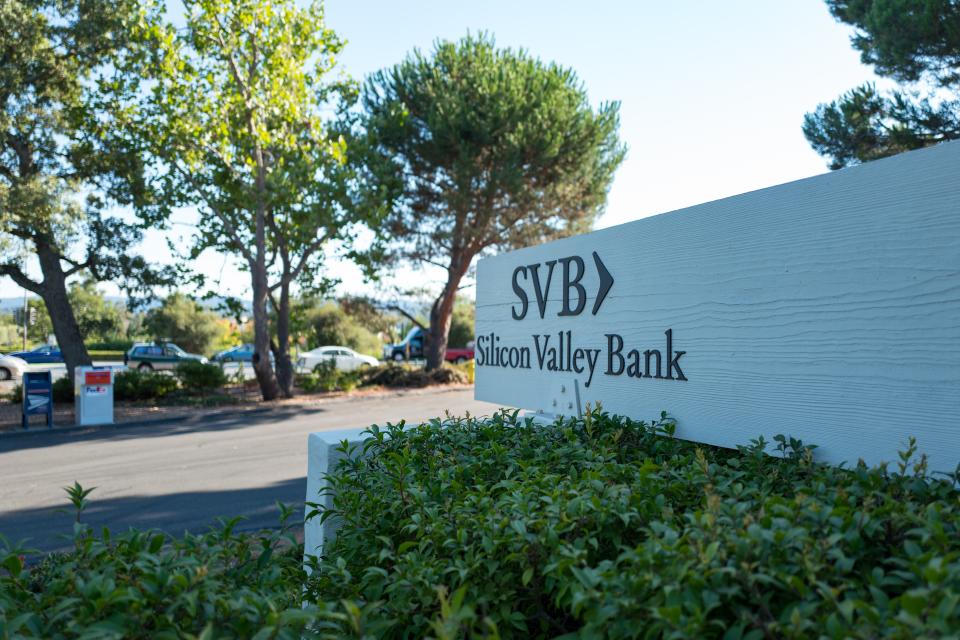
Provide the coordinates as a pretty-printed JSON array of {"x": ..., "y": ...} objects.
[
  {"x": 241, "y": 353},
  {"x": 44, "y": 354}
]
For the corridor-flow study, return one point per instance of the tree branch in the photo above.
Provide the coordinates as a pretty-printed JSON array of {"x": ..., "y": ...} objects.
[
  {"x": 234, "y": 70},
  {"x": 305, "y": 256},
  {"x": 393, "y": 307},
  {"x": 231, "y": 228},
  {"x": 76, "y": 266},
  {"x": 18, "y": 276}
]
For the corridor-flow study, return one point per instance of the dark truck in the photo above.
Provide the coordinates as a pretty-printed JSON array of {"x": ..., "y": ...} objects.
[{"x": 411, "y": 348}]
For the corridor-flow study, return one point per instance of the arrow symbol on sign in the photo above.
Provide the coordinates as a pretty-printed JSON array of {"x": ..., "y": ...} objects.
[{"x": 606, "y": 282}]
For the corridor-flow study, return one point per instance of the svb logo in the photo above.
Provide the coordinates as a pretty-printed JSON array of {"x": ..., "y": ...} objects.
[{"x": 574, "y": 269}]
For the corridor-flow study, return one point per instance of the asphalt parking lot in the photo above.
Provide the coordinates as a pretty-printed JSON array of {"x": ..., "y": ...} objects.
[{"x": 181, "y": 474}]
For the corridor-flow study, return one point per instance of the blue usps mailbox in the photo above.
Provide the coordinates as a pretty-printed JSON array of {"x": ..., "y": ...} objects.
[{"x": 37, "y": 396}]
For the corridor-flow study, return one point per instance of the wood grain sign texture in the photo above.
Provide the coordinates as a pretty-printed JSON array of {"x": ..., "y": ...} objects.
[{"x": 826, "y": 309}]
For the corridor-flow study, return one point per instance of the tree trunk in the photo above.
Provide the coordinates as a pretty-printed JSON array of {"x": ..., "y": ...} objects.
[
  {"x": 266, "y": 377},
  {"x": 54, "y": 295},
  {"x": 261, "y": 338},
  {"x": 284, "y": 365},
  {"x": 441, "y": 312}
]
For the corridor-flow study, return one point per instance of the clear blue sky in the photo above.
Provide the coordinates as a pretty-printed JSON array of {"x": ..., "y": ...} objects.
[{"x": 712, "y": 93}]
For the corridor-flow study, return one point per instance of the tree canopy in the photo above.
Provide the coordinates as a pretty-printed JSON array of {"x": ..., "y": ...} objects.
[
  {"x": 236, "y": 125},
  {"x": 480, "y": 149},
  {"x": 62, "y": 70},
  {"x": 917, "y": 44},
  {"x": 184, "y": 321}
]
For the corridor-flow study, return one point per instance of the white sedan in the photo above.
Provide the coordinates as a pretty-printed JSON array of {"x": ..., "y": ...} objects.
[
  {"x": 12, "y": 367},
  {"x": 345, "y": 359}
]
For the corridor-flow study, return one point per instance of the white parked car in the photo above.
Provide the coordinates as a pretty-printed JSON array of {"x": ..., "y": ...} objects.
[
  {"x": 344, "y": 358},
  {"x": 12, "y": 367}
]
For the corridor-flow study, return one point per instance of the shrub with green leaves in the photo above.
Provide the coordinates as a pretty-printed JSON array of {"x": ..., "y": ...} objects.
[
  {"x": 394, "y": 375},
  {"x": 200, "y": 377},
  {"x": 608, "y": 527},
  {"x": 143, "y": 385},
  {"x": 326, "y": 377},
  {"x": 146, "y": 584},
  {"x": 63, "y": 391}
]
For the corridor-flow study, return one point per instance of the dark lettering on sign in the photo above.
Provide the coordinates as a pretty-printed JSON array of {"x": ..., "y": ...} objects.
[
  {"x": 573, "y": 293},
  {"x": 542, "y": 293},
  {"x": 574, "y": 283},
  {"x": 557, "y": 352},
  {"x": 521, "y": 294}
]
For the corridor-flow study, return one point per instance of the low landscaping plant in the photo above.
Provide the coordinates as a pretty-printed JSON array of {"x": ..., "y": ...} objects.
[
  {"x": 608, "y": 527},
  {"x": 393, "y": 375},
  {"x": 601, "y": 527},
  {"x": 200, "y": 377},
  {"x": 142, "y": 385},
  {"x": 147, "y": 584},
  {"x": 63, "y": 391},
  {"x": 15, "y": 396},
  {"x": 326, "y": 377}
]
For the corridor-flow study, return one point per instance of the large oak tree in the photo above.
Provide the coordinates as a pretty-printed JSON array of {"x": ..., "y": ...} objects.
[
  {"x": 62, "y": 72},
  {"x": 481, "y": 149},
  {"x": 917, "y": 44}
]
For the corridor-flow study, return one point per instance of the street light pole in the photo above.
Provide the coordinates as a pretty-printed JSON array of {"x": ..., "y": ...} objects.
[{"x": 26, "y": 318}]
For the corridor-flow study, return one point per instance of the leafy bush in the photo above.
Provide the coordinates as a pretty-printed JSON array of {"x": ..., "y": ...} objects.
[
  {"x": 15, "y": 395},
  {"x": 468, "y": 369},
  {"x": 199, "y": 376},
  {"x": 142, "y": 385},
  {"x": 392, "y": 375},
  {"x": 326, "y": 377},
  {"x": 184, "y": 321},
  {"x": 222, "y": 584},
  {"x": 63, "y": 390},
  {"x": 327, "y": 374},
  {"x": 330, "y": 323},
  {"x": 607, "y": 527}
]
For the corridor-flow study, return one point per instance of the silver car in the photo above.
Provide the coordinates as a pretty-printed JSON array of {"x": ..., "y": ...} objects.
[{"x": 12, "y": 368}]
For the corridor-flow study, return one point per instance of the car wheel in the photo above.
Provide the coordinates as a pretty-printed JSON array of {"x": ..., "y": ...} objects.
[
  {"x": 5, "y": 373},
  {"x": 398, "y": 357},
  {"x": 145, "y": 366}
]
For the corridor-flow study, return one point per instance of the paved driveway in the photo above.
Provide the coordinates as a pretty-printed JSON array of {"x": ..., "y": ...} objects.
[{"x": 181, "y": 475}]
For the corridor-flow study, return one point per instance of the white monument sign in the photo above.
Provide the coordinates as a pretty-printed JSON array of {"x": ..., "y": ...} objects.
[{"x": 826, "y": 309}]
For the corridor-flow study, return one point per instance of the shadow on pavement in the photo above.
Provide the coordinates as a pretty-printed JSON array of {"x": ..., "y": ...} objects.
[
  {"x": 50, "y": 528},
  {"x": 224, "y": 421}
]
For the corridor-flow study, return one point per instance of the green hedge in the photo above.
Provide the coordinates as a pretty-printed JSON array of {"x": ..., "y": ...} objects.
[
  {"x": 200, "y": 377},
  {"x": 607, "y": 527},
  {"x": 222, "y": 584},
  {"x": 326, "y": 377},
  {"x": 143, "y": 385},
  {"x": 500, "y": 528}
]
